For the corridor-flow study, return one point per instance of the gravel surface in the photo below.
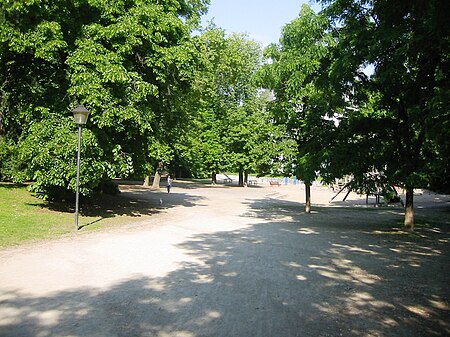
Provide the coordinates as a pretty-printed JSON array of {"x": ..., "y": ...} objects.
[{"x": 229, "y": 261}]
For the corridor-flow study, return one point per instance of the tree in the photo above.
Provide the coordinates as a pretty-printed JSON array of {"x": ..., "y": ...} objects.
[
  {"x": 130, "y": 62},
  {"x": 401, "y": 103},
  {"x": 272, "y": 151},
  {"x": 237, "y": 91},
  {"x": 298, "y": 76},
  {"x": 225, "y": 96},
  {"x": 202, "y": 150}
]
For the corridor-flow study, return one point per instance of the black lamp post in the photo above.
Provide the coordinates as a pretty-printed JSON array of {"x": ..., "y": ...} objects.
[{"x": 80, "y": 116}]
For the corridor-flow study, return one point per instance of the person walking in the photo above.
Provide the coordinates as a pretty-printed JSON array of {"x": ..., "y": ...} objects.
[{"x": 169, "y": 183}]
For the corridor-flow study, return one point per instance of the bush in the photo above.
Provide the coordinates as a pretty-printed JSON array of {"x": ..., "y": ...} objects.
[{"x": 47, "y": 155}]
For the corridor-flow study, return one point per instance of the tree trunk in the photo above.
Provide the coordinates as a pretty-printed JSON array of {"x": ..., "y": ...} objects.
[
  {"x": 241, "y": 178},
  {"x": 409, "y": 209},
  {"x": 147, "y": 181},
  {"x": 214, "y": 178},
  {"x": 308, "y": 197},
  {"x": 245, "y": 178},
  {"x": 157, "y": 179}
]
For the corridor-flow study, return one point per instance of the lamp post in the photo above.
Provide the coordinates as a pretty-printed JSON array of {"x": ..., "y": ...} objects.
[{"x": 80, "y": 116}]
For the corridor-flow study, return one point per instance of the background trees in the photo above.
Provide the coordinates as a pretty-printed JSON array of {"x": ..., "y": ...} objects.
[
  {"x": 298, "y": 75},
  {"x": 231, "y": 122}
]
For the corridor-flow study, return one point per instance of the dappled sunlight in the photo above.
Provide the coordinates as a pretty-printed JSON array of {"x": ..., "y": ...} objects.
[
  {"x": 155, "y": 285},
  {"x": 175, "y": 306},
  {"x": 203, "y": 278},
  {"x": 391, "y": 231},
  {"x": 439, "y": 303},
  {"x": 51, "y": 317},
  {"x": 355, "y": 249},
  {"x": 292, "y": 264},
  {"x": 307, "y": 231},
  {"x": 390, "y": 322},
  {"x": 325, "y": 308},
  {"x": 208, "y": 317},
  {"x": 315, "y": 266},
  {"x": 346, "y": 269},
  {"x": 351, "y": 274},
  {"x": 418, "y": 310},
  {"x": 135, "y": 307},
  {"x": 231, "y": 274},
  {"x": 427, "y": 252},
  {"x": 262, "y": 276},
  {"x": 266, "y": 269},
  {"x": 434, "y": 230},
  {"x": 359, "y": 302}
]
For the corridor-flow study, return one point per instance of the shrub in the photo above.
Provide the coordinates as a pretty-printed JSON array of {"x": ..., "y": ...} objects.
[{"x": 47, "y": 155}]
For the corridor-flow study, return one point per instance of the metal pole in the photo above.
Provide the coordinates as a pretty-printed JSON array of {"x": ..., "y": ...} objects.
[{"x": 78, "y": 176}]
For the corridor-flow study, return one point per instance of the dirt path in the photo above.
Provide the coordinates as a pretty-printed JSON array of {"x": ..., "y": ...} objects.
[{"x": 227, "y": 261}]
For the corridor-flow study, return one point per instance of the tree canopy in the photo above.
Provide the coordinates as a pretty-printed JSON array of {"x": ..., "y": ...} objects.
[
  {"x": 232, "y": 125},
  {"x": 130, "y": 62},
  {"x": 396, "y": 113},
  {"x": 360, "y": 89}
]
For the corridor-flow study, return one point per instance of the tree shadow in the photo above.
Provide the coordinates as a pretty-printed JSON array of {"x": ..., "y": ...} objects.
[
  {"x": 194, "y": 184},
  {"x": 285, "y": 274},
  {"x": 133, "y": 201},
  {"x": 12, "y": 185}
]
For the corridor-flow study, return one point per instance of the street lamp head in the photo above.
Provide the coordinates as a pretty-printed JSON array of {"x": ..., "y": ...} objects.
[{"x": 80, "y": 115}]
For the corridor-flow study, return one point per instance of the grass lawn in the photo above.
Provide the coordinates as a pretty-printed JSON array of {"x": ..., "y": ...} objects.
[{"x": 25, "y": 218}]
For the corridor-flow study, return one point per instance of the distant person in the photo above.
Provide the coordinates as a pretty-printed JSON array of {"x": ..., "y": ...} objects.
[{"x": 169, "y": 183}]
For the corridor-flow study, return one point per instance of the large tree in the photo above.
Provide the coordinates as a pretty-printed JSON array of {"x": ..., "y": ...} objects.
[
  {"x": 398, "y": 110},
  {"x": 129, "y": 62}
]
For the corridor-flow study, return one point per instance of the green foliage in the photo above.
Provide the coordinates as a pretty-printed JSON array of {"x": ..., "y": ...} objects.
[
  {"x": 396, "y": 115},
  {"x": 52, "y": 164},
  {"x": 230, "y": 125},
  {"x": 130, "y": 62},
  {"x": 47, "y": 155},
  {"x": 7, "y": 159},
  {"x": 298, "y": 76}
]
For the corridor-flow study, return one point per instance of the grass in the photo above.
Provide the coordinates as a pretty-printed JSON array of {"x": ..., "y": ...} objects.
[{"x": 25, "y": 218}]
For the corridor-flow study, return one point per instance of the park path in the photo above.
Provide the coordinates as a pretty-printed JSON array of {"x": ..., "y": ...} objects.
[{"x": 227, "y": 261}]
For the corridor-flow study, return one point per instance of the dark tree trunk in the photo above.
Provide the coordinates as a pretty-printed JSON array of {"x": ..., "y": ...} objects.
[
  {"x": 409, "y": 209},
  {"x": 214, "y": 178},
  {"x": 245, "y": 178},
  {"x": 308, "y": 197},
  {"x": 241, "y": 178}
]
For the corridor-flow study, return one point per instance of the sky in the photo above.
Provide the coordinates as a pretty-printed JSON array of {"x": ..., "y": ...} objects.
[{"x": 262, "y": 20}]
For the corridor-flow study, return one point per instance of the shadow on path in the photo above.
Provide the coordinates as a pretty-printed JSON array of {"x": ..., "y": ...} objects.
[{"x": 290, "y": 274}]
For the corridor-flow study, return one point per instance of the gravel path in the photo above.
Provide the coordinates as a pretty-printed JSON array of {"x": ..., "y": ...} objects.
[{"x": 227, "y": 261}]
